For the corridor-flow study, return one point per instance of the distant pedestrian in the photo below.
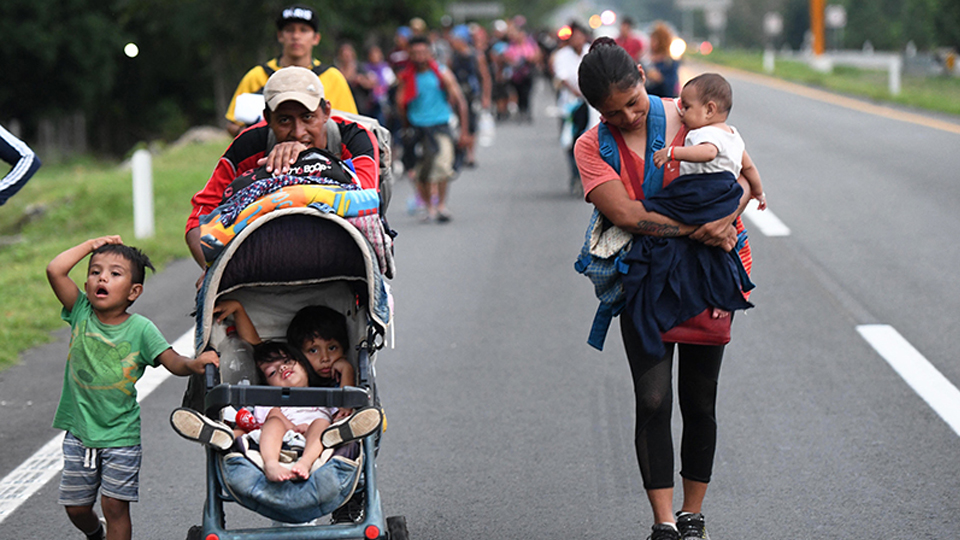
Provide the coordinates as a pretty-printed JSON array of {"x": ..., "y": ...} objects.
[
  {"x": 470, "y": 69},
  {"x": 298, "y": 34},
  {"x": 574, "y": 110},
  {"x": 25, "y": 163},
  {"x": 427, "y": 97},
  {"x": 383, "y": 77},
  {"x": 522, "y": 57},
  {"x": 663, "y": 78},
  {"x": 360, "y": 82},
  {"x": 629, "y": 40}
]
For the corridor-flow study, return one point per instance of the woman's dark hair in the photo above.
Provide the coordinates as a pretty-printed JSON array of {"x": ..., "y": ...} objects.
[
  {"x": 139, "y": 262},
  {"x": 269, "y": 351},
  {"x": 317, "y": 322},
  {"x": 606, "y": 64}
]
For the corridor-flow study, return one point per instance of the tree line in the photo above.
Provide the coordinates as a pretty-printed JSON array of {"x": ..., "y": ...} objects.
[
  {"x": 887, "y": 24},
  {"x": 63, "y": 61},
  {"x": 65, "y": 74}
]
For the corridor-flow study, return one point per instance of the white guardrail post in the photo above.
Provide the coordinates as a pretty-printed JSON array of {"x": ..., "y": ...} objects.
[
  {"x": 896, "y": 66},
  {"x": 142, "y": 194},
  {"x": 892, "y": 62}
]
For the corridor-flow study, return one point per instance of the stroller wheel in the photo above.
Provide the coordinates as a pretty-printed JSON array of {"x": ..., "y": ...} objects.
[
  {"x": 397, "y": 528},
  {"x": 195, "y": 533}
]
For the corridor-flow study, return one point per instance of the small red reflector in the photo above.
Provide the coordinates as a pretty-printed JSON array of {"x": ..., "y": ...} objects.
[
  {"x": 372, "y": 532},
  {"x": 212, "y": 536}
]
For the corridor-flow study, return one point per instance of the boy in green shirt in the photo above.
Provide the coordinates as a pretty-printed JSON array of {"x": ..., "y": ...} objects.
[{"x": 109, "y": 350}]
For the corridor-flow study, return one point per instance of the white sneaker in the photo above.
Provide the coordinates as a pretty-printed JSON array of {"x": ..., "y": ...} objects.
[
  {"x": 194, "y": 426},
  {"x": 359, "y": 425}
]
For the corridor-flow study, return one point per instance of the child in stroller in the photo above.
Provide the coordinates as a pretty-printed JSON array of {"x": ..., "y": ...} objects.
[
  {"x": 318, "y": 332},
  {"x": 305, "y": 430}
]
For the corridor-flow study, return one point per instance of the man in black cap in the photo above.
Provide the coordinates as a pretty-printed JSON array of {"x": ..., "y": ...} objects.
[{"x": 297, "y": 33}]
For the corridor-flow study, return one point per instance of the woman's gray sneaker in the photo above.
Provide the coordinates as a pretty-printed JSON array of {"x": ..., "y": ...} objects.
[
  {"x": 662, "y": 531},
  {"x": 691, "y": 526}
]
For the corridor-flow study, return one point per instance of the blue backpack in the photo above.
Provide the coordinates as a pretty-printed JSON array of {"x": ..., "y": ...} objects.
[{"x": 605, "y": 272}]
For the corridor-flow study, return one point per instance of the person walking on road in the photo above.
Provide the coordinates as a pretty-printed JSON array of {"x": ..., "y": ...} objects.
[
  {"x": 664, "y": 78},
  {"x": 428, "y": 96},
  {"x": 109, "y": 350},
  {"x": 297, "y": 117},
  {"x": 298, "y": 34},
  {"x": 574, "y": 110},
  {"x": 612, "y": 82}
]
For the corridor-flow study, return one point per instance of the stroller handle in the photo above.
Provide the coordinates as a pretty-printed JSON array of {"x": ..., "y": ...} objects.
[
  {"x": 211, "y": 376},
  {"x": 240, "y": 395}
]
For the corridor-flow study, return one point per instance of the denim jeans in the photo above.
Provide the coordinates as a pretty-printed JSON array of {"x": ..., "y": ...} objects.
[{"x": 290, "y": 501}]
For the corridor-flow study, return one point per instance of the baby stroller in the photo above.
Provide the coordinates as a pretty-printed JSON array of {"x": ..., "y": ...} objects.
[{"x": 286, "y": 259}]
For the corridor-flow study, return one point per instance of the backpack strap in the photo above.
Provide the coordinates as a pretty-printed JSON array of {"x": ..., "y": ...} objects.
[
  {"x": 632, "y": 173},
  {"x": 269, "y": 70},
  {"x": 612, "y": 146},
  {"x": 334, "y": 138},
  {"x": 608, "y": 146},
  {"x": 319, "y": 69},
  {"x": 656, "y": 139}
]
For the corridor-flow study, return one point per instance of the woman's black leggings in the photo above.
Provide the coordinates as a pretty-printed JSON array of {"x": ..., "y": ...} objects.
[
  {"x": 697, "y": 389},
  {"x": 523, "y": 87}
]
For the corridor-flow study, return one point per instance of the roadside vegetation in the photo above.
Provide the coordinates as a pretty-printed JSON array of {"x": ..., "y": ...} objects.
[
  {"x": 933, "y": 93},
  {"x": 65, "y": 204}
]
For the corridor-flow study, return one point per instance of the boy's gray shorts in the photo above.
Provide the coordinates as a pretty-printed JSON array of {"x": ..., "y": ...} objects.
[{"x": 115, "y": 472}]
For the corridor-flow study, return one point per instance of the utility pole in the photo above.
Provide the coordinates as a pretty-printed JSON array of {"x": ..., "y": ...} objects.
[{"x": 817, "y": 25}]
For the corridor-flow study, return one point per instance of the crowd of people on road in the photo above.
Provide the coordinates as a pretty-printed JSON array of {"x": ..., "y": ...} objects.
[
  {"x": 434, "y": 89},
  {"x": 438, "y": 90},
  {"x": 494, "y": 68}
]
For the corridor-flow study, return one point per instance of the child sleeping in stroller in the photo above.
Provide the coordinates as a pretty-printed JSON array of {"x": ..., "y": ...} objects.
[
  {"x": 309, "y": 431},
  {"x": 319, "y": 333}
]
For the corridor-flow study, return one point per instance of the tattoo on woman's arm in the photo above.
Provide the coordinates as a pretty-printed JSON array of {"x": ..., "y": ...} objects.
[{"x": 658, "y": 229}]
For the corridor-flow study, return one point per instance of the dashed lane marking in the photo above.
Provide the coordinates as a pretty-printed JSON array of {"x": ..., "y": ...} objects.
[
  {"x": 765, "y": 220},
  {"x": 42, "y": 466},
  {"x": 942, "y": 396}
]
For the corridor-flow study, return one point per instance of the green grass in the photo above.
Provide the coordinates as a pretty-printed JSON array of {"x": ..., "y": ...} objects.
[
  {"x": 80, "y": 200},
  {"x": 938, "y": 94}
]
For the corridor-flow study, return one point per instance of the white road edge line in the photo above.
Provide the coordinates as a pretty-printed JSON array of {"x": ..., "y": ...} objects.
[
  {"x": 35, "y": 472},
  {"x": 916, "y": 370},
  {"x": 765, "y": 220}
]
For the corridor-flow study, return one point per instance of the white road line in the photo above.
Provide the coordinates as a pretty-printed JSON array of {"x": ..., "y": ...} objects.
[
  {"x": 35, "y": 472},
  {"x": 765, "y": 220},
  {"x": 942, "y": 396}
]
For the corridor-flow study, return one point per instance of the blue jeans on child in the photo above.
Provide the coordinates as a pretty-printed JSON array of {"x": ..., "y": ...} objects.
[{"x": 290, "y": 501}]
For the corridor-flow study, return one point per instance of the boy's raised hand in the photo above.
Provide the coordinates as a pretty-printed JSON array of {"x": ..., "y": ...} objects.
[
  {"x": 58, "y": 271},
  {"x": 103, "y": 240}
]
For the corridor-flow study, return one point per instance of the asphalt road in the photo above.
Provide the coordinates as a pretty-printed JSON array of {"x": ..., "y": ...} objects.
[{"x": 503, "y": 423}]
